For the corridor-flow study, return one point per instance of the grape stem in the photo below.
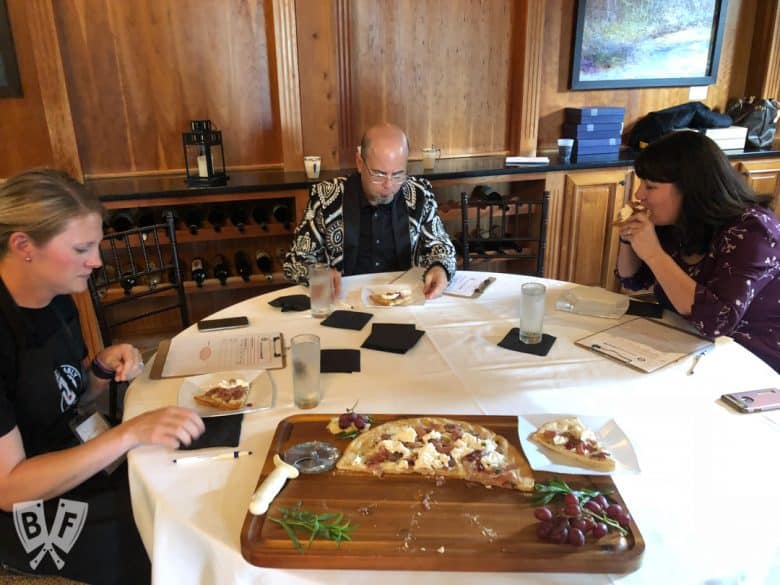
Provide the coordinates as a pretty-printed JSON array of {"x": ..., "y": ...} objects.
[{"x": 606, "y": 520}]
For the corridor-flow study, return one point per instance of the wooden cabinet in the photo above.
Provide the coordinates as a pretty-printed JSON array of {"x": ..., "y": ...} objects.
[
  {"x": 213, "y": 233},
  {"x": 584, "y": 205},
  {"x": 763, "y": 176}
]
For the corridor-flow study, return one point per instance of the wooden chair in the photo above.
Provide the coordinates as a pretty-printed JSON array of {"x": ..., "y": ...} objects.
[
  {"x": 140, "y": 278},
  {"x": 508, "y": 227}
]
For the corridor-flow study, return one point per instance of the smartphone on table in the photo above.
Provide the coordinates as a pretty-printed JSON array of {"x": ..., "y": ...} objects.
[
  {"x": 225, "y": 323},
  {"x": 754, "y": 400}
]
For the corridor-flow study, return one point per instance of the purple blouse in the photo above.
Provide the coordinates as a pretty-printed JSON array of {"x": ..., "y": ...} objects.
[{"x": 737, "y": 284}]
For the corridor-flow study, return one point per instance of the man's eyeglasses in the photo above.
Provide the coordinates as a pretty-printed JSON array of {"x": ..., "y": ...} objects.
[{"x": 379, "y": 177}]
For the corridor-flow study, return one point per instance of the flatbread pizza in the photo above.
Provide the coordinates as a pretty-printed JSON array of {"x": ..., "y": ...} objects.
[
  {"x": 438, "y": 446},
  {"x": 227, "y": 395},
  {"x": 570, "y": 438}
]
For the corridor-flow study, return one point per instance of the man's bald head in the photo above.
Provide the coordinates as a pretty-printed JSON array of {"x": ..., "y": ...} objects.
[
  {"x": 384, "y": 152},
  {"x": 384, "y": 136}
]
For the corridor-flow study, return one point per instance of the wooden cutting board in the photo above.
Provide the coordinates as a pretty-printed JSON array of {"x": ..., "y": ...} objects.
[{"x": 467, "y": 528}]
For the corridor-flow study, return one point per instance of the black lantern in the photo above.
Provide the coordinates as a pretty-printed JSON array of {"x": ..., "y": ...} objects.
[{"x": 204, "y": 158}]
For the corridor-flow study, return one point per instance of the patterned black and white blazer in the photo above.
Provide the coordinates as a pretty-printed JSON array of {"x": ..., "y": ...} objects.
[{"x": 330, "y": 229}]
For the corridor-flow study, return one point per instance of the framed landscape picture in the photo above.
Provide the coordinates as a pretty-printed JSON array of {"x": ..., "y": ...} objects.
[
  {"x": 646, "y": 43},
  {"x": 10, "y": 85}
]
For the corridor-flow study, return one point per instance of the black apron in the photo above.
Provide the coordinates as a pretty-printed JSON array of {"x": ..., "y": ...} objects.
[{"x": 50, "y": 374}]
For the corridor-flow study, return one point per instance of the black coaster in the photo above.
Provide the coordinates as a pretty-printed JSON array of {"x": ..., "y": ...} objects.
[
  {"x": 393, "y": 337},
  {"x": 339, "y": 360},
  {"x": 512, "y": 341},
  {"x": 221, "y": 431},
  {"x": 645, "y": 309},
  {"x": 347, "y": 320},
  {"x": 292, "y": 303}
]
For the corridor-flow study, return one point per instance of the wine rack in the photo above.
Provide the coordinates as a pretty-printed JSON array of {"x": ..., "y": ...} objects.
[{"x": 254, "y": 230}]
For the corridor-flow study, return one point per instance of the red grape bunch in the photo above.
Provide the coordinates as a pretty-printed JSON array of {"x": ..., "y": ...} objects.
[{"x": 583, "y": 513}]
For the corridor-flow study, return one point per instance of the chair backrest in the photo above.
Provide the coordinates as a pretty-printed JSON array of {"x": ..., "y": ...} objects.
[
  {"x": 503, "y": 227},
  {"x": 138, "y": 263}
]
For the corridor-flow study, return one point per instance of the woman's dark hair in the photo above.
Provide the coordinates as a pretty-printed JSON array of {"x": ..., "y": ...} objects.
[{"x": 713, "y": 193}]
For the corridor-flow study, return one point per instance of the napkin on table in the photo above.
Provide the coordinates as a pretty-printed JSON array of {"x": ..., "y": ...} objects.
[
  {"x": 221, "y": 431},
  {"x": 291, "y": 303},
  {"x": 512, "y": 341},
  {"x": 347, "y": 320},
  {"x": 393, "y": 337},
  {"x": 339, "y": 360}
]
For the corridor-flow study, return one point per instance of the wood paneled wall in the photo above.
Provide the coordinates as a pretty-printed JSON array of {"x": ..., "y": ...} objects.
[
  {"x": 283, "y": 78},
  {"x": 24, "y": 137},
  {"x": 139, "y": 71},
  {"x": 438, "y": 68},
  {"x": 555, "y": 95}
]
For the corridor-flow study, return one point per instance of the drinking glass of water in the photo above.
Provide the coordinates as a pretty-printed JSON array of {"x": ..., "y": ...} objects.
[
  {"x": 531, "y": 312},
  {"x": 306, "y": 370},
  {"x": 320, "y": 290}
]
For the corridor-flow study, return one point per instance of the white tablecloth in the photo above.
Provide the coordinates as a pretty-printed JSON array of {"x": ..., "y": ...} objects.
[{"x": 705, "y": 500}]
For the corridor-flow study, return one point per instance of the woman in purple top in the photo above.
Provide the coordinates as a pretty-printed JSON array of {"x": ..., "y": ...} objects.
[{"x": 709, "y": 250}]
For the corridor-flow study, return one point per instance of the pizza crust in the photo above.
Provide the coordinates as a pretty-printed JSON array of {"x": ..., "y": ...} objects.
[
  {"x": 628, "y": 211},
  {"x": 227, "y": 395},
  {"x": 436, "y": 446},
  {"x": 571, "y": 428}
]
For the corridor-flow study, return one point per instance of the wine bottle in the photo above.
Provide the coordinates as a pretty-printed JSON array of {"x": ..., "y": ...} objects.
[
  {"x": 243, "y": 267},
  {"x": 239, "y": 216},
  {"x": 263, "y": 260},
  {"x": 193, "y": 218},
  {"x": 122, "y": 220},
  {"x": 146, "y": 217},
  {"x": 198, "y": 271},
  {"x": 282, "y": 214},
  {"x": 128, "y": 281},
  {"x": 260, "y": 215},
  {"x": 153, "y": 279},
  {"x": 216, "y": 217},
  {"x": 221, "y": 269}
]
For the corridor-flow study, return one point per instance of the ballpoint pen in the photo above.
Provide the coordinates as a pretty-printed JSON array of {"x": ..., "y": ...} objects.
[
  {"x": 484, "y": 284},
  {"x": 215, "y": 457},
  {"x": 696, "y": 359}
]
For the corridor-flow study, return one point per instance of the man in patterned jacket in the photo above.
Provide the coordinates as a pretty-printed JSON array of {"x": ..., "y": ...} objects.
[{"x": 376, "y": 220}]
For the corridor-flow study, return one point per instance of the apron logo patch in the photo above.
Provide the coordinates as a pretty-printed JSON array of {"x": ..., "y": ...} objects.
[
  {"x": 68, "y": 381},
  {"x": 30, "y": 524}
]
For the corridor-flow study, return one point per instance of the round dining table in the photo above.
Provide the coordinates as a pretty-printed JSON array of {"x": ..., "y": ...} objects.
[{"x": 704, "y": 496}]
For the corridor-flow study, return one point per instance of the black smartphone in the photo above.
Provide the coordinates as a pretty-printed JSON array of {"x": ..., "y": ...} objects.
[
  {"x": 226, "y": 323},
  {"x": 754, "y": 400}
]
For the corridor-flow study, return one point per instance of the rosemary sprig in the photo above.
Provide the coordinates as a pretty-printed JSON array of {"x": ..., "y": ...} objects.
[
  {"x": 327, "y": 526},
  {"x": 547, "y": 492}
]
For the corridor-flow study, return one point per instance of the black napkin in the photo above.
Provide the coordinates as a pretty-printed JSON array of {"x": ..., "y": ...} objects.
[
  {"x": 512, "y": 341},
  {"x": 339, "y": 360},
  {"x": 221, "y": 431},
  {"x": 393, "y": 337},
  {"x": 642, "y": 309},
  {"x": 292, "y": 303},
  {"x": 347, "y": 320}
]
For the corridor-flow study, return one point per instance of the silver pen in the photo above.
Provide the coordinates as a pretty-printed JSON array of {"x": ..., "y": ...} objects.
[
  {"x": 696, "y": 359},
  {"x": 484, "y": 284}
]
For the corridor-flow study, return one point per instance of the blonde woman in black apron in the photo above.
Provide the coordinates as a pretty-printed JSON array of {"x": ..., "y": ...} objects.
[{"x": 50, "y": 232}]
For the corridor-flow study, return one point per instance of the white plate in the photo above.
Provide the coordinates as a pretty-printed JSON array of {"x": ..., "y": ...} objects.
[
  {"x": 262, "y": 391},
  {"x": 416, "y": 295},
  {"x": 608, "y": 432}
]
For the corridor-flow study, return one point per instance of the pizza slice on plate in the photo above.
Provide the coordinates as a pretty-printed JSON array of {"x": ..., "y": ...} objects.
[
  {"x": 439, "y": 447},
  {"x": 227, "y": 395},
  {"x": 628, "y": 211},
  {"x": 570, "y": 438}
]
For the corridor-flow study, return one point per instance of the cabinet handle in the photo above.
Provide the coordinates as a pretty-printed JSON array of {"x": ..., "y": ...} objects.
[{"x": 622, "y": 183}]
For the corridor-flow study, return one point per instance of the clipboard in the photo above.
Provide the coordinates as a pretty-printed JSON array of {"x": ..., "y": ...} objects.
[
  {"x": 249, "y": 352},
  {"x": 644, "y": 345}
]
